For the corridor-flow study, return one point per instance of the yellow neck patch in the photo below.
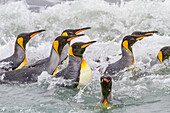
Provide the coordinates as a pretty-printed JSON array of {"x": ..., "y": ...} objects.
[
  {"x": 20, "y": 42},
  {"x": 133, "y": 61},
  {"x": 160, "y": 56},
  {"x": 65, "y": 34},
  {"x": 105, "y": 102},
  {"x": 22, "y": 64},
  {"x": 55, "y": 71},
  {"x": 85, "y": 73},
  {"x": 83, "y": 64}
]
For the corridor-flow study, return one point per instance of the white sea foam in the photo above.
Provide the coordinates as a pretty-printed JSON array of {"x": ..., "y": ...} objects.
[{"x": 110, "y": 23}]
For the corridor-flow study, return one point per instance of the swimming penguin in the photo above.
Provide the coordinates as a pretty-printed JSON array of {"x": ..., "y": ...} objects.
[
  {"x": 127, "y": 58},
  {"x": 106, "y": 98},
  {"x": 64, "y": 54},
  {"x": 163, "y": 54},
  {"x": 78, "y": 72},
  {"x": 28, "y": 75},
  {"x": 18, "y": 59}
]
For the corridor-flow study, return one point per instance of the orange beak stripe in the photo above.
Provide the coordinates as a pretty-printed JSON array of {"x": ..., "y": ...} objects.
[
  {"x": 79, "y": 31},
  {"x": 148, "y": 33},
  {"x": 102, "y": 80},
  {"x": 140, "y": 38},
  {"x": 85, "y": 45},
  {"x": 34, "y": 34},
  {"x": 106, "y": 80},
  {"x": 72, "y": 38}
]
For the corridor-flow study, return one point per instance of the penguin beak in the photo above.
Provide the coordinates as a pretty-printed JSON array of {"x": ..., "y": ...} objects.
[
  {"x": 149, "y": 33},
  {"x": 87, "y": 44},
  {"x": 140, "y": 37},
  {"x": 73, "y": 37},
  {"x": 32, "y": 34},
  {"x": 77, "y": 31}
]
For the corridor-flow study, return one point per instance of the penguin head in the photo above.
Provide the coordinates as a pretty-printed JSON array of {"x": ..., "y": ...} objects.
[
  {"x": 129, "y": 40},
  {"x": 61, "y": 41},
  {"x": 77, "y": 49},
  {"x": 69, "y": 32},
  {"x": 106, "y": 87},
  {"x": 144, "y": 33},
  {"x": 164, "y": 53},
  {"x": 23, "y": 38}
]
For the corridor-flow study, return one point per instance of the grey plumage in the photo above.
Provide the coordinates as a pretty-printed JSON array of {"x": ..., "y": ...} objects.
[
  {"x": 19, "y": 55},
  {"x": 64, "y": 54},
  {"x": 29, "y": 75},
  {"x": 127, "y": 58},
  {"x": 124, "y": 61},
  {"x": 71, "y": 72}
]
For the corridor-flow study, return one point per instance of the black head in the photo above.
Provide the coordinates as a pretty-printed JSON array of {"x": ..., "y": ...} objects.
[
  {"x": 61, "y": 41},
  {"x": 129, "y": 40},
  {"x": 106, "y": 85},
  {"x": 164, "y": 53},
  {"x": 144, "y": 33},
  {"x": 23, "y": 38},
  {"x": 69, "y": 32},
  {"x": 77, "y": 49}
]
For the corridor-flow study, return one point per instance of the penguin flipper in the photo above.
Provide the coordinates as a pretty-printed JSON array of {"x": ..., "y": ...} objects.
[{"x": 24, "y": 75}]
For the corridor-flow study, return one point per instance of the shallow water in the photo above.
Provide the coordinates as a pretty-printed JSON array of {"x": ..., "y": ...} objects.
[{"x": 145, "y": 89}]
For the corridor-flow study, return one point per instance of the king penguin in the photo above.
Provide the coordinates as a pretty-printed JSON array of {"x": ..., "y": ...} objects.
[
  {"x": 106, "y": 98},
  {"x": 18, "y": 59},
  {"x": 78, "y": 72},
  {"x": 29, "y": 75},
  {"x": 163, "y": 54},
  {"x": 64, "y": 54},
  {"x": 127, "y": 58}
]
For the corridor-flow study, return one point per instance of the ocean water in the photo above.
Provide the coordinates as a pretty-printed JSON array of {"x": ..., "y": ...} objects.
[{"x": 144, "y": 89}]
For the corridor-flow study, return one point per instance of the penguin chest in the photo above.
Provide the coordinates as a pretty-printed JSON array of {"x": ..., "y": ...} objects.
[
  {"x": 85, "y": 73},
  {"x": 23, "y": 63}
]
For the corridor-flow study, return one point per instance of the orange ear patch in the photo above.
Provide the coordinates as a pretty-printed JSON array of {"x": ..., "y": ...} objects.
[
  {"x": 160, "y": 56},
  {"x": 125, "y": 45},
  {"x": 20, "y": 42},
  {"x": 55, "y": 46},
  {"x": 65, "y": 34}
]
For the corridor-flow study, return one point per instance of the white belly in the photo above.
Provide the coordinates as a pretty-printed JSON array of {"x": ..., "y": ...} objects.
[{"x": 85, "y": 73}]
